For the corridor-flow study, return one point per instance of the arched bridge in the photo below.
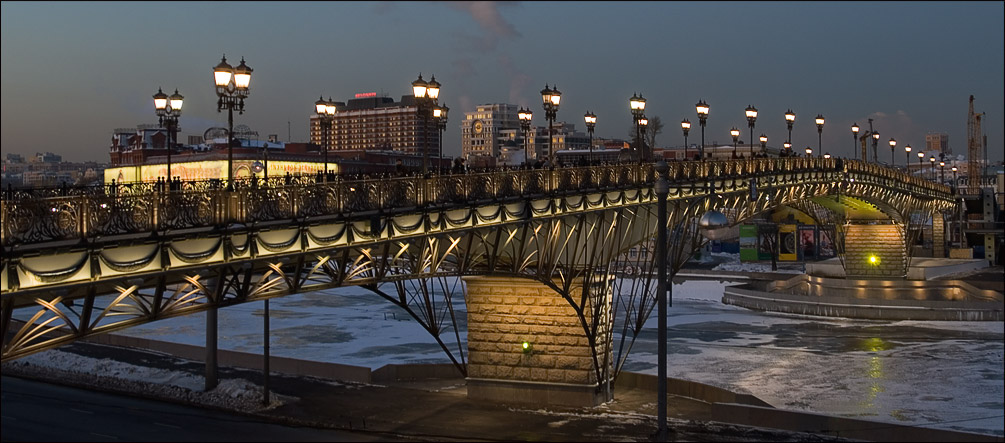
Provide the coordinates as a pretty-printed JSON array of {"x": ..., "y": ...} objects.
[{"x": 80, "y": 263}]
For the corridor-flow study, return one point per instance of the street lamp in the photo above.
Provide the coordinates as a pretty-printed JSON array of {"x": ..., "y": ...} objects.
[
  {"x": 736, "y": 136},
  {"x": 591, "y": 123},
  {"x": 809, "y": 152},
  {"x": 820, "y": 131},
  {"x": 764, "y": 144},
  {"x": 921, "y": 166},
  {"x": 954, "y": 178},
  {"x": 525, "y": 115},
  {"x": 662, "y": 188},
  {"x": 702, "y": 109},
  {"x": 751, "y": 113},
  {"x": 551, "y": 99},
  {"x": 168, "y": 110},
  {"x": 440, "y": 115},
  {"x": 425, "y": 94},
  {"x": 893, "y": 144},
  {"x": 788, "y": 149},
  {"x": 827, "y": 155},
  {"x": 875, "y": 148},
  {"x": 638, "y": 106},
  {"x": 685, "y": 126},
  {"x": 231, "y": 89},
  {"x": 942, "y": 172},
  {"x": 907, "y": 158},
  {"x": 326, "y": 113},
  {"x": 854, "y": 139},
  {"x": 790, "y": 117},
  {"x": 931, "y": 160}
]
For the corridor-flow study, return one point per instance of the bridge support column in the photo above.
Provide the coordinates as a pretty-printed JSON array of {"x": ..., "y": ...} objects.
[
  {"x": 938, "y": 235},
  {"x": 211, "y": 366},
  {"x": 875, "y": 251},
  {"x": 527, "y": 344}
]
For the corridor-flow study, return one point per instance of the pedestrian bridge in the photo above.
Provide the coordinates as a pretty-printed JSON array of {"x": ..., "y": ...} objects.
[{"x": 535, "y": 254}]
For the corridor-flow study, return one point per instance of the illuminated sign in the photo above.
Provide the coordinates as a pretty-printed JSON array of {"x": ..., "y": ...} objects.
[{"x": 366, "y": 94}]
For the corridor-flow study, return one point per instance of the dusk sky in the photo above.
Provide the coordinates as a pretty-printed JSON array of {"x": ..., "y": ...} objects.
[{"x": 73, "y": 72}]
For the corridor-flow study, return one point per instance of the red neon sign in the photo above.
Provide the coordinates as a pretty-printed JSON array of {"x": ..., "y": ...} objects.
[{"x": 366, "y": 94}]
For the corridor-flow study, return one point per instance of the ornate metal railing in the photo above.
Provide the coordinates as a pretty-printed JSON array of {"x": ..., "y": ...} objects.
[{"x": 31, "y": 217}]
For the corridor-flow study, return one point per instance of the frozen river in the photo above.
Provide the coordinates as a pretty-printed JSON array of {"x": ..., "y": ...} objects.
[{"x": 939, "y": 374}]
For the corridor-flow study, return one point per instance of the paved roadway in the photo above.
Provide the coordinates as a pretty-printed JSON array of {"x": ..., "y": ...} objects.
[{"x": 35, "y": 411}]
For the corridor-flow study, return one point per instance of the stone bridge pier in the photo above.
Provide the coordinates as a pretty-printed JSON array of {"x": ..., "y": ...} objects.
[
  {"x": 875, "y": 250},
  {"x": 527, "y": 343}
]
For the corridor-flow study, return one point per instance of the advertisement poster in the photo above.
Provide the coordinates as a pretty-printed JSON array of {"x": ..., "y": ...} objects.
[
  {"x": 826, "y": 248},
  {"x": 808, "y": 242},
  {"x": 787, "y": 243},
  {"x": 748, "y": 243},
  {"x": 764, "y": 243}
]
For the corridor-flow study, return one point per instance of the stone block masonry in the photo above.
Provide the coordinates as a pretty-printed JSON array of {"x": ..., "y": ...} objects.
[
  {"x": 504, "y": 313},
  {"x": 884, "y": 242}
]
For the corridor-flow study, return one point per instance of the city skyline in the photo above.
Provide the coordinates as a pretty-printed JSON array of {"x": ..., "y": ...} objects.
[{"x": 90, "y": 68}]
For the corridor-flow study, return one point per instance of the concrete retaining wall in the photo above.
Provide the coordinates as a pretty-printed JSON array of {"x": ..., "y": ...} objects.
[
  {"x": 684, "y": 388},
  {"x": 837, "y": 426}
]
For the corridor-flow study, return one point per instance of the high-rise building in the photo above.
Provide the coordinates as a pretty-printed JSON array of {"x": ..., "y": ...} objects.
[
  {"x": 377, "y": 122},
  {"x": 937, "y": 142}
]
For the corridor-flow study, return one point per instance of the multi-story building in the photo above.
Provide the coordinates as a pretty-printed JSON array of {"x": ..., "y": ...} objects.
[
  {"x": 937, "y": 142},
  {"x": 377, "y": 122},
  {"x": 486, "y": 130}
]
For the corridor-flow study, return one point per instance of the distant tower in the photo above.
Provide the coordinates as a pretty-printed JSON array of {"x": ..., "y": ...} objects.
[{"x": 974, "y": 152}]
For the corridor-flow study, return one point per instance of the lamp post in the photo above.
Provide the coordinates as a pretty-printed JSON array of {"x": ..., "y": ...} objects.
[
  {"x": 809, "y": 152},
  {"x": 551, "y": 99},
  {"x": 440, "y": 115},
  {"x": 854, "y": 139},
  {"x": 788, "y": 149},
  {"x": 702, "y": 109},
  {"x": 685, "y": 126},
  {"x": 875, "y": 147},
  {"x": 942, "y": 172},
  {"x": 168, "y": 110},
  {"x": 736, "y": 136},
  {"x": 425, "y": 94},
  {"x": 326, "y": 113},
  {"x": 954, "y": 178},
  {"x": 525, "y": 115},
  {"x": 893, "y": 144},
  {"x": 231, "y": 89},
  {"x": 820, "y": 132},
  {"x": 907, "y": 158},
  {"x": 790, "y": 117},
  {"x": 591, "y": 123},
  {"x": 921, "y": 166},
  {"x": 638, "y": 106},
  {"x": 643, "y": 124},
  {"x": 827, "y": 156},
  {"x": 662, "y": 188},
  {"x": 931, "y": 160},
  {"x": 751, "y": 113},
  {"x": 764, "y": 144}
]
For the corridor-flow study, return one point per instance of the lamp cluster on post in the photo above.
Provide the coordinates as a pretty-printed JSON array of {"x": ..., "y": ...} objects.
[
  {"x": 231, "y": 89},
  {"x": 551, "y": 98},
  {"x": 735, "y": 133},
  {"x": 168, "y": 110},
  {"x": 893, "y": 144},
  {"x": 591, "y": 123},
  {"x": 790, "y": 118},
  {"x": 820, "y": 132},
  {"x": 525, "y": 116},
  {"x": 685, "y": 126},
  {"x": 440, "y": 116},
  {"x": 854, "y": 139},
  {"x": 426, "y": 95},
  {"x": 638, "y": 107},
  {"x": 751, "y": 113},
  {"x": 702, "y": 109},
  {"x": 326, "y": 115}
]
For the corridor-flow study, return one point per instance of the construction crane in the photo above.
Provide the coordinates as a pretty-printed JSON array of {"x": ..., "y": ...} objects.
[{"x": 974, "y": 151}]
